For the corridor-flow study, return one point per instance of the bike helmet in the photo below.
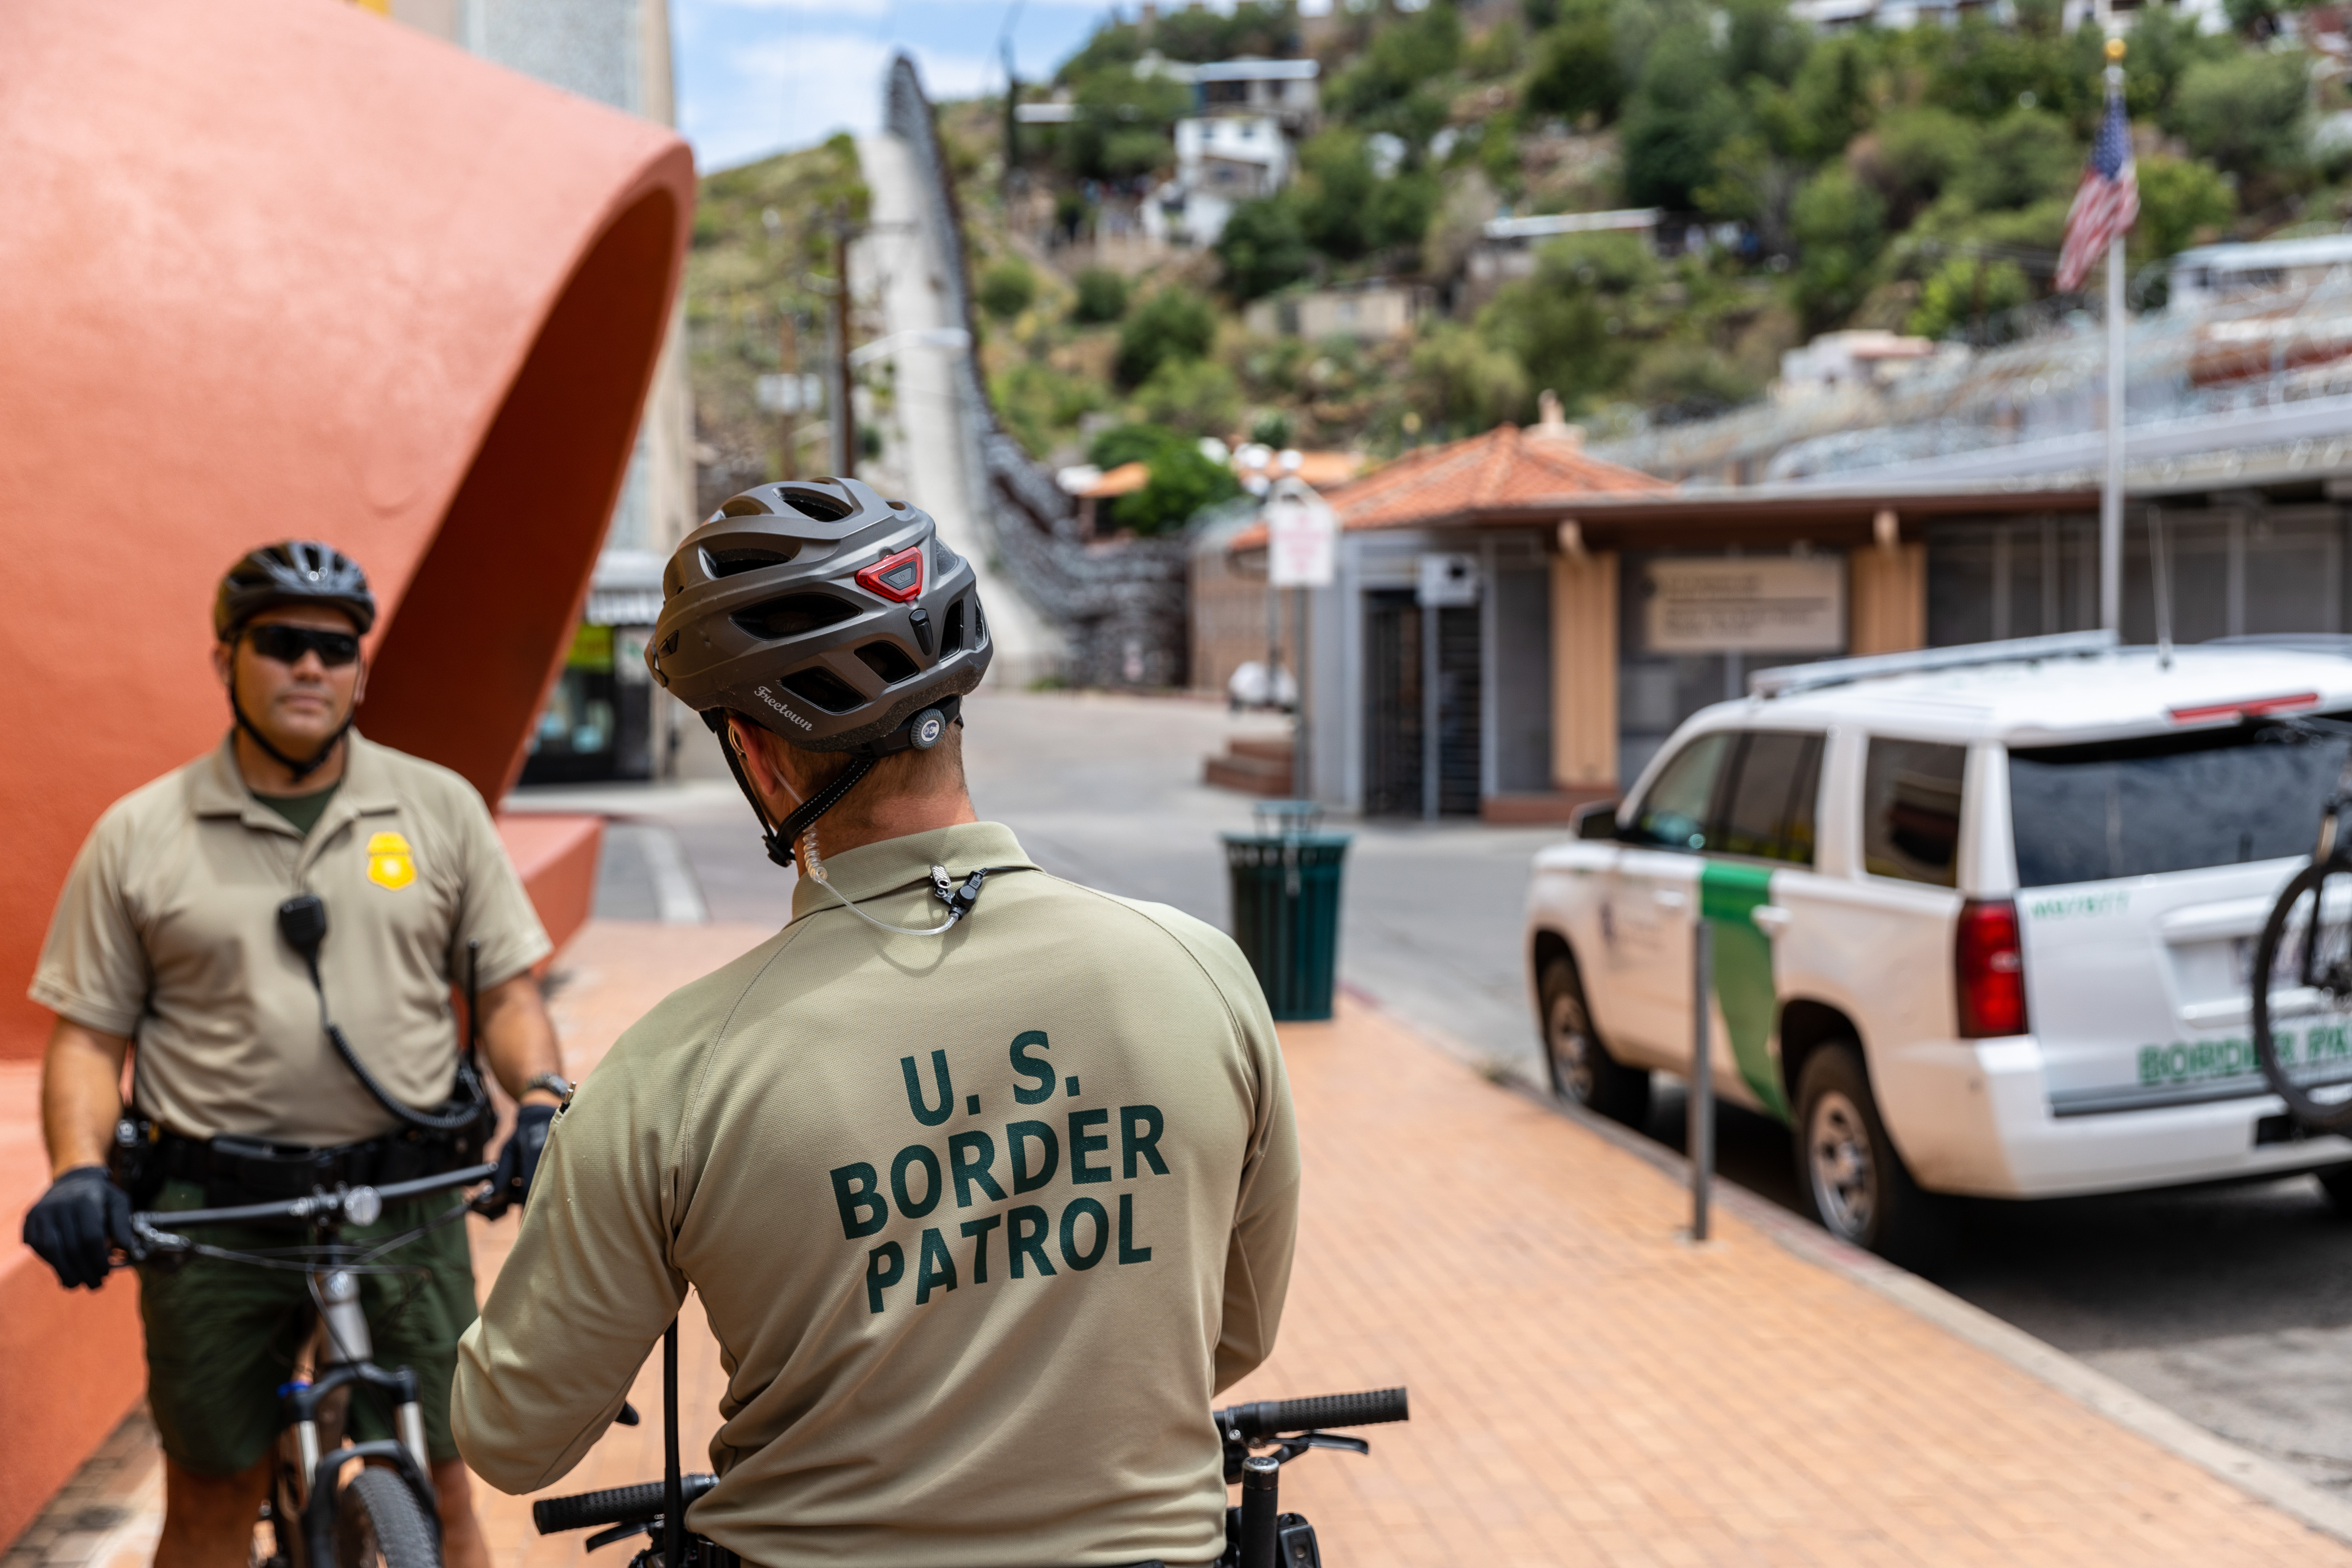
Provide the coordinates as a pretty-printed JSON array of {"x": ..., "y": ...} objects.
[
  {"x": 827, "y": 615},
  {"x": 294, "y": 571}
]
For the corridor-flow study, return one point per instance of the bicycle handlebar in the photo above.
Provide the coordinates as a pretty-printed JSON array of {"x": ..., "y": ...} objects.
[
  {"x": 1257, "y": 1422},
  {"x": 1267, "y": 1418},
  {"x": 615, "y": 1505},
  {"x": 360, "y": 1204}
]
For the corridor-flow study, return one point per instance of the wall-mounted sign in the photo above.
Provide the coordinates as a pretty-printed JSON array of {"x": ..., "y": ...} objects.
[
  {"x": 1447, "y": 580},
  {"x": 1771, "y": 603},
  {"x": 1302, "y": 537}
]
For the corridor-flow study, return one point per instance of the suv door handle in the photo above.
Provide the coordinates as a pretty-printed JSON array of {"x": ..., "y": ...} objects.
[
  {"x": 1770, "y": 919},
  {"x": 1669, "y": 898}
]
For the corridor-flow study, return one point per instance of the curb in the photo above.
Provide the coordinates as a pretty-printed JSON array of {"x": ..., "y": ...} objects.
[{"x": 2094, "y": 1390}]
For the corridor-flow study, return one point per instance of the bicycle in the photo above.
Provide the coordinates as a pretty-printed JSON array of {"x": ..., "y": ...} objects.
[
  {"x": 2308, "y": 941},
  {"x": 1257, "y": 1533},
  {"x": 387, "y": 1513}
]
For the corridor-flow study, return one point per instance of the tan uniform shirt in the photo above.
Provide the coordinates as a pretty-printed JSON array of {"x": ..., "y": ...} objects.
[
  {"x": 981, "y": 1223},
  {"x": 167, "y": 933}
]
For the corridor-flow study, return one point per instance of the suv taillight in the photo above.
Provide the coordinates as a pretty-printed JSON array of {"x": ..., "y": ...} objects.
[{"x": 1989, "y": 969}]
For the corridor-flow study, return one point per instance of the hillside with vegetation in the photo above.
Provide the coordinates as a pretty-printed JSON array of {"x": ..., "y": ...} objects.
[{"x": 1915, "y": 180}]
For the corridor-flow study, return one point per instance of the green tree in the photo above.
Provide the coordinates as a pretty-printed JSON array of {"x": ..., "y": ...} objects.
[
  {"x": 1007, "y": 288},
  {"x": 1174, "y": 324},
  {"x": 1468, "y": 384},
  {"x": 1677, "y": 119},
  {"x": 1982, "y": 69},
  {"x": 1571, "y": 325},
  {"x": 1040, "y": 406},
  {"x": 1762, "y": 40},
  {"x": 1393, "y": 84},
  {"x": 1575, "y": 65},
  {"x": 2248, "y": 114},
  {"x": 1913, "y": 155},
  {"x": 1336, "y": 193},
  {"x": 1192, "y": 397},
  {"x": 1123, "y": 124},
  {"x": 2025, "y": 156},
  {"x": 2182, "y": 202},
  {"x": 1182, "y": 481},
  {"x": 1838, "y": 223},
  {"x": 1684, "y": 380},
  {"x": 1101, "y": 297},
  {"x": 1264, "y": 247},
  {"x": 1963, "y": 289},
  {"x": 1829, "y": 101}
]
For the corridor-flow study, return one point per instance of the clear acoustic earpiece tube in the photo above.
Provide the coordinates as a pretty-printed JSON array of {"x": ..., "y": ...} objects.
[{"x": 957, "y": 906}]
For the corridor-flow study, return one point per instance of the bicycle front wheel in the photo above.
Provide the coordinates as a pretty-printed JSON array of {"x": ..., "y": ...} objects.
[
  {"x": 379, "y": 1523},
  {"x": 2302, "y": 987}
]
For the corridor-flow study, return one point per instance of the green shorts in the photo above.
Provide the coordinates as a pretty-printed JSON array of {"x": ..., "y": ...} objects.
[{"x": 222, "y": 1336}]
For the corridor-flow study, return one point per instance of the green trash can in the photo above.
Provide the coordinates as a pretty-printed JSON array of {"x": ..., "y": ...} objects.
[{"x": 1286, "y": 907}]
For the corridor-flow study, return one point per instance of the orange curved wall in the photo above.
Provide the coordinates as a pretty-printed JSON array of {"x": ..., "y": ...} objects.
[{"x": 279, "y": 267}]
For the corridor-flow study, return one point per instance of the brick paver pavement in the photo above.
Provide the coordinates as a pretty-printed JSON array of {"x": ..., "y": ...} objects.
[
  {"x": 1587, "y": 1387},
  {"x": 1590, "y": 1388}
]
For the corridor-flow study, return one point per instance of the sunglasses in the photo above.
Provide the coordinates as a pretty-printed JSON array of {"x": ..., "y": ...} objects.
[{"x": 286, "y": 645}]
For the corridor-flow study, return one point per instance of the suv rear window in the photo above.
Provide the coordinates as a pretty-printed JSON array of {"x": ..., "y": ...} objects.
[{"x": 2166, "y": 803}]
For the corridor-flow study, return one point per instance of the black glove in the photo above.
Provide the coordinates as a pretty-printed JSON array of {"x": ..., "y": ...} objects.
[
  {"x": 79, "y": 1216},
  {"x": 519, "y": 1158}
]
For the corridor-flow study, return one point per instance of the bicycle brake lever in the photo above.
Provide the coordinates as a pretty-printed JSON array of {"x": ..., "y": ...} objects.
[
  {"x": 618, "y": 1532},
  {"x": 1292, "y": 1447}
]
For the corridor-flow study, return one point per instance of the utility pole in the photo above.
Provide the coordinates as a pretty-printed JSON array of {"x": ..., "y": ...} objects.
[
  {"x": 843, "y": 409},
  {"x": 788, "y": 360}
]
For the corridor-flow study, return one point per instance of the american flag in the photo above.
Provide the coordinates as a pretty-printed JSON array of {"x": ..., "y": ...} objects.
[{"x": 2106, "y": 201}]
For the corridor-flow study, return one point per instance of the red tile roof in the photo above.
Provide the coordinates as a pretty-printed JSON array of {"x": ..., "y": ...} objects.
[{"x": 1507, "y": 467}]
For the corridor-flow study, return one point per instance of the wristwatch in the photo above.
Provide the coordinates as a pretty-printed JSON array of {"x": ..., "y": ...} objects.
[{"x": 555, "y": 1083}]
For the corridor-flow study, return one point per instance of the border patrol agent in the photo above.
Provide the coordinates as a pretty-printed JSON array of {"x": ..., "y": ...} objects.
[
  {"x": 985, "y": 1197},
  {"x": 167, "y": 934}
]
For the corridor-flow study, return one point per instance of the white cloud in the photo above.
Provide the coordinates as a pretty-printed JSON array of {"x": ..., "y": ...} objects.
[{"x": 796, "y": 91}]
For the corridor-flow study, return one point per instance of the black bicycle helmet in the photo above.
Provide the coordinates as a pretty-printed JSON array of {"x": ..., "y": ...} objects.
[
  {"x": 826, "y": 615},
  {"x": 294, "y": 571}
]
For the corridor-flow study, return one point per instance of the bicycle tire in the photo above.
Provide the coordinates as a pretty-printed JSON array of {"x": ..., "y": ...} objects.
[
  {"x": 379, "y": 1523},
  {"x": 2322, "y": 1116}
]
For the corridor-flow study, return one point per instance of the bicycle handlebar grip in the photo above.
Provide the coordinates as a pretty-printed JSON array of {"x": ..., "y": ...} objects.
[
  {"x": 615, "y": 1505},
  {"x": 1268, "y": 1416}
]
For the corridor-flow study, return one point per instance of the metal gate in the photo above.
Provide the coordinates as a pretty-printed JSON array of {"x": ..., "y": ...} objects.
[
  {"x": 1393, "y": 705},
  {"x": 1423, "y": 737}
]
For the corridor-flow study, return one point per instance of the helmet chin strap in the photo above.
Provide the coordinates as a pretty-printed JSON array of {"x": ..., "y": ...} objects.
[
  {"x": 780, "y": 836},
  {"x": 300, "y": 770}
]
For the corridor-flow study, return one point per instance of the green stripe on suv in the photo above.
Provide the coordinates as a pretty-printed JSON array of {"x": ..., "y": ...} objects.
[{"x": 1729, "y": 894}]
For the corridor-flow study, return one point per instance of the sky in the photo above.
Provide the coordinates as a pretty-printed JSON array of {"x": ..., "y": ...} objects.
[{"x": 755, "y": 77}]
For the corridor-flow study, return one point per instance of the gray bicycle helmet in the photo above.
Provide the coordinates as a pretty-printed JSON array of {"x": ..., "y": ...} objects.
[
  {"x": 292, "y": 572},
  {"x": 826, "y": 615}
]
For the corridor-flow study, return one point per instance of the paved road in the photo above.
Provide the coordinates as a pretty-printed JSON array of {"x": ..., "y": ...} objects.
[{"x": 2231, "y": 1305}]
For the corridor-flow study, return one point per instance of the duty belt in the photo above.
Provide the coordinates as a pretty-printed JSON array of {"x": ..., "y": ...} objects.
[{"x": 249, "y": 1170}]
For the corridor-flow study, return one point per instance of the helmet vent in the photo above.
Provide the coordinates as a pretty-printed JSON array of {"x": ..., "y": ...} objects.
[
  {"x": 889, "y": 661},
  {"x": 816, "y": 504},
  {"x": 794, "y": 614},
  {"x": 951, "y": 633},
  {"x": 729, "y": 563},
  {"x": 821, "y": 687}
]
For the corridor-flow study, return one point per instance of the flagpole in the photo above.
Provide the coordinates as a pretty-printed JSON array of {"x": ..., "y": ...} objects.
[{"x": 2110, "y": 492}]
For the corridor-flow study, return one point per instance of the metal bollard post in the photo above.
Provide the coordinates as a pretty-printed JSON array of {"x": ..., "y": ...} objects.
[{"x": 1700, "y": 1138}]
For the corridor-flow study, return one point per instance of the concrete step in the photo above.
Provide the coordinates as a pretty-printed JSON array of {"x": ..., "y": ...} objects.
[
  {"x": 1266, "y": 749},
  {"x": 1250, "y": 775}
]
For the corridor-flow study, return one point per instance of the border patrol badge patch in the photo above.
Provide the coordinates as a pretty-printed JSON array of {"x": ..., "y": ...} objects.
[{"x": 391, "y": 862}]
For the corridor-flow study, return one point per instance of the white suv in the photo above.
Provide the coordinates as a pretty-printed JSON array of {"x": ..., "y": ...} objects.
[{"x": 1982, "y": 920}]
